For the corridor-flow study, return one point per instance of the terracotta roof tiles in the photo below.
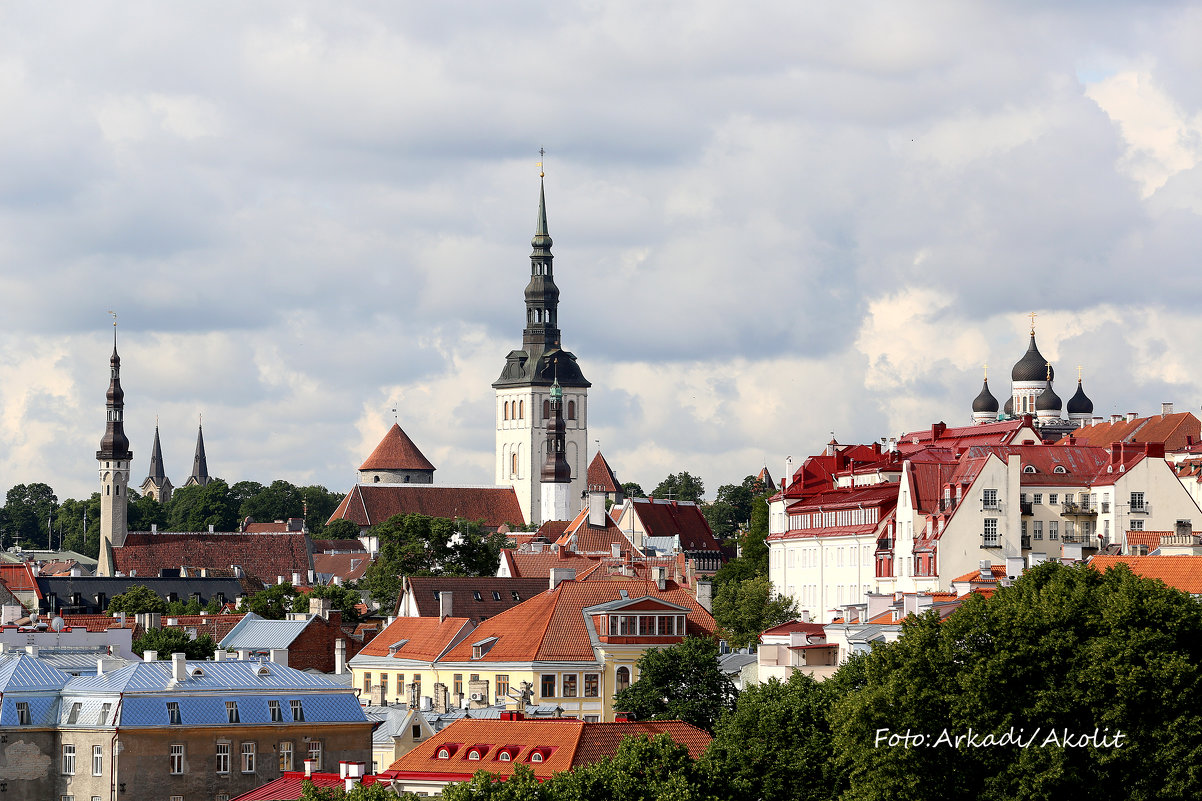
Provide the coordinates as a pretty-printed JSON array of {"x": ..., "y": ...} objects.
[
  {"x": 396, "y": 452},
  {"x": 427, "y": 637},
  {"x": 264, "y": 556},
  {"x": 601, "y": 477},
  {"x": 495, "y": 594},
  {"x": 1182, "y": 572},
  {"x": 661, "y": 518},
  {"x": 369, "y": 504}
]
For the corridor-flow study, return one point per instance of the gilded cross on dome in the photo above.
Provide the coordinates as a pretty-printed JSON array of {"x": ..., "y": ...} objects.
[
  {"x": 1049, "y": 366},
  {"x": 1033, "y": 315},
  {"x": 1078, "y": 374}
]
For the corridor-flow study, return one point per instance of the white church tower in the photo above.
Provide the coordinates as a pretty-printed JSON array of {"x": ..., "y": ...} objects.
[
  {"x": 114, "y": 458},
  {"x": 523, "y": 408}
]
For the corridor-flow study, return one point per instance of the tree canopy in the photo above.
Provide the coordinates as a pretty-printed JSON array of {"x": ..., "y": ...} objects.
[
  {"x": 137, "y": 599},
  {"x": 745, "y": 608},
  {"x": 174, "y": 640},
  {"x": 633, "y": 490},
  {"x": 680, "y": 487},
  {"x": 682, "y": 682}
]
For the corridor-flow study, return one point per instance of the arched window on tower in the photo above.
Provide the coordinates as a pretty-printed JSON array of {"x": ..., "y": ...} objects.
[
  {"x": 546, "y": 410},
  {"x": 505, "y": 410},
  {"x": 521, "y": 410},
  {"x": 571, "y": 410},
  {"x": 513, "y": 465}
]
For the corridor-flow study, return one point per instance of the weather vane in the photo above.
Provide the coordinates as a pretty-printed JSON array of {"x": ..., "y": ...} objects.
[
  {"x": 541, "y": 153},
  {"x": 395, "y": 418}
]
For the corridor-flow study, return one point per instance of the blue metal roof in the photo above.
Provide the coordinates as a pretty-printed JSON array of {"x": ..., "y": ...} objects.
[
  {"x": 255, "y": 633},
  {"x": 42, "y": 711},
  {"x": 22, "y": 672},
  {"x": 208, "y": 710},
  {"x": 155, "y": 677}
]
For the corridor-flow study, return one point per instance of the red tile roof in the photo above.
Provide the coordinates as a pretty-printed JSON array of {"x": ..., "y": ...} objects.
[
  {"x": 1176, "y": 431},
  {"x": 370, "y": 504},
  {"x": 528, "y": 564},
  {"x": 662, "y": 518},
  {"x": 396, "y": 452},
  {"x": 1181, "y": 572},
  {"x": 551, "y": 626},
  {"x": 214, "y": 625},
  {"x": 290, "y": 786},
  {"x": 428, "y": 637},
  {"x": 584, "y": 538},
  {"x": 338, "y": 546},
  {"x": 1000, "y": 433},
  {"x": 346, "y": 566},
  {"x": 249, "y": 526},
  {"x": 463, "y": 589},
  {"x": 796, "y": 625},
  {"x": 19, "y": 577},
  {"x": 94, "y": 622},
  {"x": 263, "y": 556},
  {"x": 996, "y": 572},
  {"x": 600, "y": 477},
  {"x": 1149, "y": 539},
  {"x": 568, "y": 744}
]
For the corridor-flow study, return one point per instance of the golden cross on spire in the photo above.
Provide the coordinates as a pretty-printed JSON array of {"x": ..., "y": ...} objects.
[
  {"x": 1033, "y": 315},
  {"x": 985, "y": 367},
  {"x": 541, "y": 153},
  {"x": 1078, "y": 374},
  {"x": 1049, "y": 366}
]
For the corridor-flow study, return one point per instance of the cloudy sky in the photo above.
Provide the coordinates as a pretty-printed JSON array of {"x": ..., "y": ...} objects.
[{"x": 772, "y": 222}]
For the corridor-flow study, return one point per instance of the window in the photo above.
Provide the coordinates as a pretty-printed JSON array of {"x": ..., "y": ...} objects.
[
  {"x": 546, "y": 410},
  {"x": 474, "y": 755},
  {"x": 1029, "y": 469},
  {"x": 1053, "y": 530},
  {"x": 571, "y": 410},
  {"x": 177, "y": 798},
  {"x": 1059, "y": 469},
  {"x": 223, "y": 757},
  {"x": 989, "y": 499},
  {"x": 473, "y": 677},
  {"x": 384, "y": 685},
  {"x": 220, "y": 797},
  {"x": 23, "y": 717},
  {"x": 103, "y": 717},
  {"x": 569, "y": 685},
  {"x": 1053, "y": 498},
  {"x": 516, "y": 596},
  {"x": 366, "y": 683},
  {"x": 315, "y": 753},
  {"x": 476, "y": 596},
  {"x": 622, "y": 678},
  {"x": 521, "y": 410},
  {"x": 177, "y": 758},
  {"x": 248, "y": 757},
  {"x": 285, "y": 755},
  {"x": 990, "y": 533},
  {"x": 231, "y": 711},
  {"x": 173, "y": 716},
  {"x": 1037, "y": 530},
  {"x": 74, "y": 716},
  {"x": 417, "y": 685},
  {"x": 592, "y": 685},
  {"x": 496, "y": 596},
  {"x": 274, "y": 707},
  {"x": 416, "y": 731},
  {"x": 504, "y": 756},
  {"x": 68, "y": 759},
  {"x": 502, "y": 683},
  {"x": 1137, "y": 502},
  {"x": 298, "y": 711},
  {"x": 1137, "y": 525},
  {"x": 537, "y": 756},
  {"x": 457, "y": 684},
  {"x": 443, "y": 753},
  {"x": 547, "y": 687},
  {"x": 97, "y": 760},
  {"x": 1037, "y": 498}
]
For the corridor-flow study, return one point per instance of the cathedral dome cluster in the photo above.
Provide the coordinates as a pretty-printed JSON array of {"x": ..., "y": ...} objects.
[{"x": 1031, "y": 393}]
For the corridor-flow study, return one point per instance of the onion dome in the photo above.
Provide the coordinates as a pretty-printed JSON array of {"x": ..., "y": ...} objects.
[
  {"x": 1080, "y": 404},
  {"x": 1032, "y": 366},
  {"x": 985, "y": 402},
  {"x": 1048, "y": 400},
  {"x": 1008, "y": 409}
]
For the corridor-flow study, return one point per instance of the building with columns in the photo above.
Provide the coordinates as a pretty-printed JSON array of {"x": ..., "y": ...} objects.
[{"x": 523, "y": 405}]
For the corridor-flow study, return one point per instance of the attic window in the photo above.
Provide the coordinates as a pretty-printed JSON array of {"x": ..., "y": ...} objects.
[
  {"x": 496, "y": 596},
  {"x": 505, "y": 756},
  {"x": 198, "y": 673},
  {"x": 515, "y": 595},
  {"x": 173, "y": 716},
  {"x": 23, "y": 716},
  {"x": 103, "y": 717},
  {"x": 74, "y": 716},
  {"x": 473, "y": 755},
  {"x": 479, "y": 649},
  {"x": 444, "y": 753},
  {"x": 1059, "y": 469},
  {"x": 298, "y": 711},
  {"x": 537, "y": 756},
  {"x": 277, "y": 716},
  {"x": 231, "y": 712},
  {"x": 263, "y": 670},
  {"x": 1029, "y": 468},
  {"x": 396, "y": 646}
]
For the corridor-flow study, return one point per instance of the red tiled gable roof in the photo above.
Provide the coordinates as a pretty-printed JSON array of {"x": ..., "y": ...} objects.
[
  {"x": 291, "y": 786},
  {"x": 527, "y": 564},
  {"x": 1149, "y": 539},
  {"x": 396, "y": 452},
  {"x": 551, "y": 530},
  {"x": 584, "y": 538},
  {"x": 1181, "y": 572},
  {"x": 94, "y": 622},
  {"x": 55, "y": 568},
  {"x": 463, "y": 591},
  {"x": 1176, "y": 431},
  {"x": 847, "y": 498},
  {"x": 1079, "y": 463},
  {"x": 600, "y": 477},
  {"x": 369, "y": 504},
  {"x": 214, "y": 625},
  {"x": 662, "y": 518},
  {"x": 571, "y": 744},
  {"x": 996, "y": 572},
  {"x": 263, "y": 556},
  {"x": 796, "y": 625},
  {"x": 1000, "y": 433},
  {"x": 272, "y": 527},
  {"x": 346, "y": 566},
  {"x": 551, "y": 626},
  {"x": 338, "y": 546},
  {"x": 428, "y": 637},
  {"x": 19, "y": 577}
]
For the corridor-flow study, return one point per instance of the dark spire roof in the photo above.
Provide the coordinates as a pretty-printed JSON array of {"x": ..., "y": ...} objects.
[
  {"x": 1032, "y": 366},
  {"x": 555, "y": 468},
  {"x": 1080, "y": 403},
  {"x": 985, "y": 402},
  {"x": 1008, "y": 409},
  {"x": 114, "y": 444},
  {"x": 200, "y": 465},
  {"x": 532, "y": 365},
  {"x": 157, "y": 474},
  {"x": 1048, "y": 400}
]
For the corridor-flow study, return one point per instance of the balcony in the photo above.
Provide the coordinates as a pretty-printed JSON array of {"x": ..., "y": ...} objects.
[
  {"x": 1075, "y": 509},
  {"x": 1024, "y": 508},
  {"x": 1141, "y": 509},
  {"x": 1026, "y": 541},
  {"x": 884, "y": 544},
  {"x": 1105, "y": 507},
  {"x": 991, "y": 541},
  {"x": 992, "y": 506},
  {"x": 1077, "y": 538}
]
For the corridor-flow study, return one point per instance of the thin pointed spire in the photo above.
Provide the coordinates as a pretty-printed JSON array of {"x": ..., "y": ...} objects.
[
  {"x": 157, "y": 473},
  {"x": 542, "y": 236},
  {"x": 200, "y": 463}
]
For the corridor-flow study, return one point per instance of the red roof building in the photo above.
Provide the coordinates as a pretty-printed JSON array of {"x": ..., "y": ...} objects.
[
  {"x": 367, "y": 505},
  {"x": 264, "y": 557},
  {"x": 1180, "y": 572},
  {"x": 396, "y": 460}
]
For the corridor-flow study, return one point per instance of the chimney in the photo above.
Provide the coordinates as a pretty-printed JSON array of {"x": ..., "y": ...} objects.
[
  {"x": 877, "y": 603},
  {"x": 444, "y": 604},
  {"x": 243, "y": 654},
  {"x": 909, "y": 604},
  {"x": 219, "y": 655},
  {"x": 280, "y": 656},
  {"x": 615, "y": 550},
  {"x": 279, "y": 579},
  {"x": 320, "y": 606},
  {"x": 558, "y": 574},
  {"x": 295, "y": 578},
  {"x": 440, "y": 698},
  {"x": 32, "y": 650},
  {"x": 154, "y": 528},
  {"x": 1166, "y": 409},
  {"x": 1014, "y": 567},
  {"x": 660, "y": 581},
  {"x": 1131, "y": 416},
  {"x": 705, "y": 594},
  {"x": 210, "y": 528},
  {"x": 788, "y": 476},
  {"x": 179, "y": 667},
  {"x": 100, "y": 666},
  {"x": 150, "y": 656},
  {"x": 340, "y": 656},
  {"x": 937, "y": 430},
  {"x": 596, "y": 509},
  {"x": 308, "y": 768},
  {"x": 804, "y": 617}
]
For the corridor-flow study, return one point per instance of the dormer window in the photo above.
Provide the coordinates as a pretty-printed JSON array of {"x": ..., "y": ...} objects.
[
  {"x": 496, "y": 596},
  {"x": 476, "y": 596},
  {"x": 538, "y": 755},
  {"x": 479, "y": 649},
  {"x": 505, "y": 756},
  {"x": 298, "y": 711},
  {"x": 1059, "y": 469},
  {"x": 75, "y": 709},
  {"x": 1029, "y": 468},
  {"x": 198, "y": 673},
  {"x": 173, "y": 716},
  {"x": 231, "y": 712},
  {"x": 23, "y": 716},
  {"x": 396, "y": 646},
  {"x": 443, "y": 753},
  {"x": 277, "y": 715},
  {"x": 473, "y": 755}
]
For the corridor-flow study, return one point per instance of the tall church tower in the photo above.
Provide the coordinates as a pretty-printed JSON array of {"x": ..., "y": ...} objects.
[
  {"x": 200, "y": 463},
  {"x": 523, "y": 407},
  {"x": 114, "y": 457},
  {"x": 556, "y": 474}
]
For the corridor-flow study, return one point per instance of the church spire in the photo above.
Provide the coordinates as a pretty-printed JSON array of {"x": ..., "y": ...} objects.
[
  {"x": 200, "y": 465},
  {"x": 156, "y": 459},
  {"x": 114, "y": 444},
  {"x": 114, "y": 459},
  {"x": 542, "y": 296}
]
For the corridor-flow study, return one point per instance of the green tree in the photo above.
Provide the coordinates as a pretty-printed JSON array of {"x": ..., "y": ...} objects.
[
  {"x": 28, "y": 514},
  {"x": 137, "y": 599},
  {"x": 745, "y": 608},
  {"x": 377, "y": 791},
  {"x": 731, "y": 509},
  {"x": 753, "y": 559},
  {"x": 484, "y": 786},
  {"x": 682, "y": 682},
  {"x": 633, "y": 490},
  {"x": 642, "y": 769},
  {"x": 242, "y": 491},
  {"x": 79, "y": 522},
  {"x": 145, "y": 511},
  {"x": 174, "y": 640},
  {"x": 280, "y": 501},
  {"x": 1062, "y": 649},
  {"x": 320, "y": 503},
  {"x": 196, "y": 508},
  {"x": 344, "y": 599},
  {"x": 272, "y": 603},
  {"x": 341, "y": 529},
  {"x": 680, "y": 487}
]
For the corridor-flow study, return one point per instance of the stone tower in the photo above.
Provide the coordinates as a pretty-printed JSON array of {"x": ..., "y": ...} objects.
[
  {"x": 523, "y": 408},
  {"x": 556, "y": 473},
  {"x": 114, "y": 458}
]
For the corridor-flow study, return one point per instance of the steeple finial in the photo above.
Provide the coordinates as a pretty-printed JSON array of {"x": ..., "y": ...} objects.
[
  {"x": 985, "y": 367},
  {"x": 541, "y": 153},
  {"x": 1033, "y": 315},
  {"x": 1078, "y": 374},
  {"x": 1049, "y": 366}
]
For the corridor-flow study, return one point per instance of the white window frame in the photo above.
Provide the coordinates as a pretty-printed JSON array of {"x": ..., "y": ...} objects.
[
  {"x": 286, "y": 755},
  {"x": 223, "y": 757},
  {"x": 314, "y": 753},
  {"x": 177, "y": 759},
  {"x": 97, "y": 760},
  {"x": 248, "y": 757},
  {"x": 68, "y": 763}
]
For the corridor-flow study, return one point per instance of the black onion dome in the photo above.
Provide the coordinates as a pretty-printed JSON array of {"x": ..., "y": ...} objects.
[
  {"x": 1008, "y": 409},
  {"x": 985, "y": 402},
  {"x": 1048, "y": 401},
  {"x": 1080, "y": 402},
  {"x": 1032, "y": 366}
]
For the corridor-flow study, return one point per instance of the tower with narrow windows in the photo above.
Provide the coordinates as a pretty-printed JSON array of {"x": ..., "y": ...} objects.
[
  {"x": 114, "y": 458},
  {"x": 523, "y": 390}
]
